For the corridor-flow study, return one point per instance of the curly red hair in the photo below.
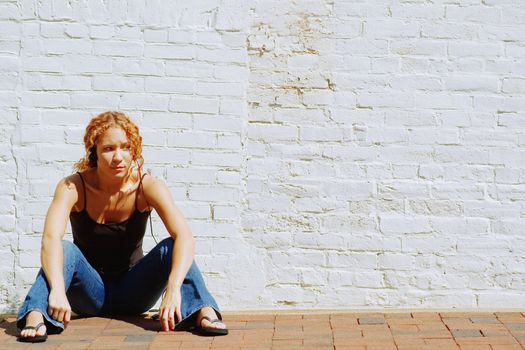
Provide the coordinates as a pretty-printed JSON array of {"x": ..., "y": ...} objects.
[{"x": 98, "y": 126}]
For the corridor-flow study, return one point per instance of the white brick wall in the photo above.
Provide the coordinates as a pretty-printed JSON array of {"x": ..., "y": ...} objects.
[{"x": 327, "y": 153}]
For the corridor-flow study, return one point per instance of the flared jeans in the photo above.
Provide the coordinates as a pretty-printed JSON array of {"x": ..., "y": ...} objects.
[{"x": 135, "y": 292}]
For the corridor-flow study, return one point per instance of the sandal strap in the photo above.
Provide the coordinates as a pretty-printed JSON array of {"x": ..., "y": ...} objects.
[
  {"x": 36, "y": 328},
  {"x": 215, "y": 320}
]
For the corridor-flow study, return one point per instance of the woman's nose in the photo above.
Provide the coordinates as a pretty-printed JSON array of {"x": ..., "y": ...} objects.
[{"x": 118, "y": 154}]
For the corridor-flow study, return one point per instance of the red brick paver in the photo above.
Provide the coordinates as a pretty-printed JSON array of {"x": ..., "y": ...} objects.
[{"x": 285, "y": 330}]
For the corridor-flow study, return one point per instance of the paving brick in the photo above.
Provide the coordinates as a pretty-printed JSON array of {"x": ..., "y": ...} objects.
[
  {"x": 485, "y": 320},
  {"x": 295, "y": 332},
  {"x": 288, "y": 317},
  {"x": 371, "y": 320},
  {"x": 463, "y": 333},
  {"x": 495, "y": 333},
  {"x": 465, "y": 315},
  {"x": 410, "y": 346},
  {"x": 341, "y": 333},
  {"x": 286, "y": 342},
  {"x": 139, "y": 338},
  {"x": 476, "y": 347},
  {"x": 381, "y": 347},
  {"x": 466, "y": 325},
  {"x": 441, "y": 342},
  {"x": 397, "y": 316},
  {"x": 515, "y": 326},
  {"x": 259, "y": 325},
  {"x": 519, "y": 338},
  {"x": 486, "y": 340},
  {"x": 328, "y": 342},
  {"x": 510, "y": 317},
  {"x": 506, "y": 347},
  {"x": 73, "y": 346},
  {"x": 403, "y": 329},
  {"x": 432, "y": 326}
]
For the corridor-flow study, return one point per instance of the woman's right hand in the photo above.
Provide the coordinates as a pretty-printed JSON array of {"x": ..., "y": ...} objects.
[
  {"x": 59, "y": 308},
  {"x": 169, "y": 311}
]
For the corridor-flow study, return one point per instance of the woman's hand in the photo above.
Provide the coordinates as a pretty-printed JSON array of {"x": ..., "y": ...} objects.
[
  {"x": 169, "y": 311},
  {"x": 59, "y": 308}
]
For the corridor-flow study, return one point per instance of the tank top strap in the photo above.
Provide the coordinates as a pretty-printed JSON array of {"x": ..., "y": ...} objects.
[
  {"x": 84, "y": 187},
  {"x": 138, "y": 189}
]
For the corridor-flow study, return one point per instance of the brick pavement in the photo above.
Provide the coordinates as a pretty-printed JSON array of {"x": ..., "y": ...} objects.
[{"x": 316, "y": 330}]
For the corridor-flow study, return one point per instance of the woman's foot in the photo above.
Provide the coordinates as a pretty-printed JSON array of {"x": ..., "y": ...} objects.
[
  {"x": 209, "y": 324},
  {"x": 34, "y": 328}
]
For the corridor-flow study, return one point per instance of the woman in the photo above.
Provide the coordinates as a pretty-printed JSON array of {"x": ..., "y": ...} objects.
[{"x": 103, "y": 272}]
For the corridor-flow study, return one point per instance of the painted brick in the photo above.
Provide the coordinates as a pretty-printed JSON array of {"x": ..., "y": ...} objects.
[
  {"x": 371, "y": 147},
  {"x": 155, "y": 35},
  {"x": 166, "y": 156},
  {"x": 217, "y": 123},
  {"x": 272, "y": 132},
  {"x": 221, "y": 212},
  {"x": 164, "y": 51},
  {"x": 85, "y": 65},
  {"x": 109, "y": 83},
  {"x": 76, "y": 30},
  {"x": 483, "y": 14},
  {"x": 166, "y": 120},
  {"x": 66, "y": 46},
  {"x": 101, "y": 31},
  {"x": 191, "y": 140},
  {"x": 137, "y": 67},
  {"x": 170, "y": 85},
  {"x": 95, "y": 100},
  {"x": 194, "y": 105},
  {"x": 147, "y": 102}
]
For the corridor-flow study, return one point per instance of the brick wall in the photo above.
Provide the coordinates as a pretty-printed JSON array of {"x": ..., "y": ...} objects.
[{"x": 327, "y": 153}]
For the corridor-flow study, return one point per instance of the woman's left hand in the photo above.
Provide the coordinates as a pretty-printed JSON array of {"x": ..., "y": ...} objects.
[{"x": 169, "y": 311}]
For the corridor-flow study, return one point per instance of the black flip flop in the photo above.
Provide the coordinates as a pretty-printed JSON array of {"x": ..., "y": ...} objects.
[
  {"x": 210, "y": 332},
  {"x": 36, "y": 338}
]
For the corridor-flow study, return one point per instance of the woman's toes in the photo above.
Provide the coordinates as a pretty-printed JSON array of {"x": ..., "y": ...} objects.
[
  {"x": 28, "y": 333},
  {"x": 208, "y": 324},
  {"x": 220, "y": 325},
  {"x": 41, "y": 331},
  {"x": 210, "y": 314}
]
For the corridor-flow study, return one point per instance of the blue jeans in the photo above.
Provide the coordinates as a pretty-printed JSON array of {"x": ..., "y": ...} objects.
[{"x": 133, "y": 293}]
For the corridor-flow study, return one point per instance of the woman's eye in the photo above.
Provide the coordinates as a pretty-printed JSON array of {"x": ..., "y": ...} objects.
[{"x": 107, "y": 149}]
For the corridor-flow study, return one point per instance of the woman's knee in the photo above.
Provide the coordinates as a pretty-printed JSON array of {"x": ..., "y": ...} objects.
[
  {"x": 71, "y": 252},
  {"x": 194, "y": 270},
  {"x": 166, "y": 247},
  {"x": 69, "y": 247},
  {"x": 164, "y": 253}
]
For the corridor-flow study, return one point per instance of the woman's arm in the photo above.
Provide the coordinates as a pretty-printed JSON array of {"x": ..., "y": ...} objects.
[
  {"x": 52, "y": 255},
  {"x": 159, "y": 197}
]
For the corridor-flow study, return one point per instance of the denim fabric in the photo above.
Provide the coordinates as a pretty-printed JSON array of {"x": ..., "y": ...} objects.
[{"x": 133, "y": 293}]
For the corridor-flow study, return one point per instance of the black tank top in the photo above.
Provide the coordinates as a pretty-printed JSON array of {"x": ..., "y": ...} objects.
[{"x": 110, "y": 248}]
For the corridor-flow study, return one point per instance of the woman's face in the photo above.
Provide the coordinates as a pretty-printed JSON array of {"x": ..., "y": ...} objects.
[{"x": 114, "y": 153}]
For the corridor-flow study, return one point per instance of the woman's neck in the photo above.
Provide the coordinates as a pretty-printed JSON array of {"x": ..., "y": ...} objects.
[{"x": 111, "y": 185}]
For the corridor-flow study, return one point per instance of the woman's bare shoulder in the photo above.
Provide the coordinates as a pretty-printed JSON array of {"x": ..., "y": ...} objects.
[
  {"x": 68, "y": 189},
  {"x": 156, "y": 190},
  {"x": 70, "y": 183},
  {"x": 151, "y": 182}
]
